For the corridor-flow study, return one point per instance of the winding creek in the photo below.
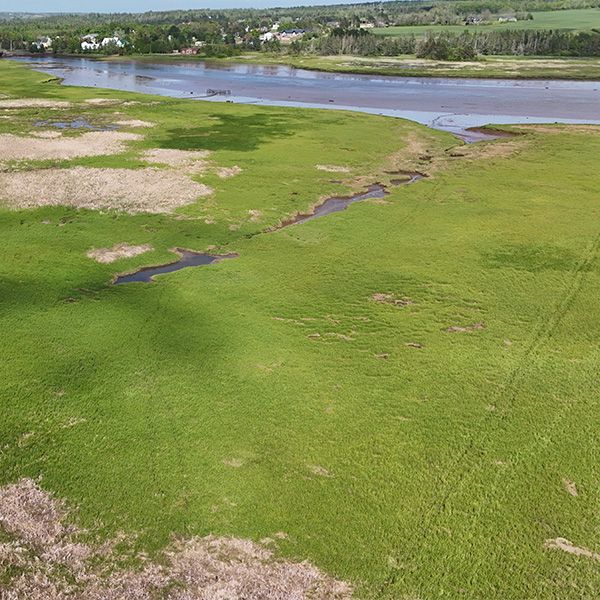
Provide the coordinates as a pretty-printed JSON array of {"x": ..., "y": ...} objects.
[
  {"x": 459, "y": 106},
  {"x": 188, "y": 258}
]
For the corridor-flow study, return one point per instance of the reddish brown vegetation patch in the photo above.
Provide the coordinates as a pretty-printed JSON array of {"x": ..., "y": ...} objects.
[{"x": 44, "y": 560}]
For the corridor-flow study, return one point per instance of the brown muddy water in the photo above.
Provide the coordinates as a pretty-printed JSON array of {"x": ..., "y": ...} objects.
[{"x": 188, "y": 258}]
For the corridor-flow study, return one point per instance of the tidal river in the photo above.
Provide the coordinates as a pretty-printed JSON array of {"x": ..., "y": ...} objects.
[{"x": 444, "y": 103}]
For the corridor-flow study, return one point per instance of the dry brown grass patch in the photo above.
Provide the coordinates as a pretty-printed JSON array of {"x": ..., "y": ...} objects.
[
  {"x": 44, "y": 560},
  {"x": 569, "y": 548},
  {"x": 501, "y": 148},
  {"x": 128, "y": 190},
  {"x": 134, "y": 123},
  {"x": 255, "y": 215},
  {"x": 415, "y": 345},
  {"x": 570, "y": 487},
  {"x": 186, "y": 160},
  {"x": 466, "y": 329},
  {"x": 102, "y": 101},
  {"x": 234, "y": 462},
  {"x": 414, "y": 156},
  {"x": 319, "y": 471},
  {"x": 47, "y": 134},
  {"x": 562, "y": 128},
  {"x": 227, "y": 172},
  {"x": 387, "y": 298},
  {"x": 93, "y": 143},
  {"x": 117, "y": 252},
  {"x": 34, "y": 103},
  {"x": 333, "y": 168}
]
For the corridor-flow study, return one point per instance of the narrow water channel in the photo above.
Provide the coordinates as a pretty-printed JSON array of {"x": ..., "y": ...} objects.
[{"x": 188, "y": 258}]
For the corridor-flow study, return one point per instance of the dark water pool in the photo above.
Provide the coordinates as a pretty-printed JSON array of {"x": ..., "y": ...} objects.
[{"x": 187, "y": 259}]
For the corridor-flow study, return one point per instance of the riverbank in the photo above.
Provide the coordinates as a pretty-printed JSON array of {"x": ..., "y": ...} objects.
[{"x": 489, "y": 67}]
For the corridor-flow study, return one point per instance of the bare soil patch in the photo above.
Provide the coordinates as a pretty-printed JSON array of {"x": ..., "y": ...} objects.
[
  {"x": 44, "y": 558},
  {"x": 569, "y": 548},
  {"x": 93, "y": 143},
  {"x": 117, "y": 252},
  {"x": 34, "y": 103},
  {"x": 128, "y": 190}
]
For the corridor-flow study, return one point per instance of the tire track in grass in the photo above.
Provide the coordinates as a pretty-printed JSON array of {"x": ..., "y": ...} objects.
[{"x": 508, "y": 393}]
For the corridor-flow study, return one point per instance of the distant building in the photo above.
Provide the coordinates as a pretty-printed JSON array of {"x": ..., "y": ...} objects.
[
  {"x": 267, "y": 37},
  {"x": 367, "y": 25},
  {"x": 189, "y": 51},
  {"x": 89, "y": 42},
  {"x": 112, "y": 41},
  {"x": 507, "y": 19},
  {"x": 291, "y": 35},
  {"x": 44, "y": 43}
]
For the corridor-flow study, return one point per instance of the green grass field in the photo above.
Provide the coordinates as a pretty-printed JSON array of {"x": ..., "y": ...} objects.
[
  {"x": 271, "y": 393},
  {"x": 567, "y": 20}
]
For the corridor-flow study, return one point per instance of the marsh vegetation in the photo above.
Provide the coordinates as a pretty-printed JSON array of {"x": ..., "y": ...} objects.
[{"x": 403, "y": 394}]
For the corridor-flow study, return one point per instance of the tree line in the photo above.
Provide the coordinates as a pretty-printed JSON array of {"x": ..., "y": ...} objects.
[{"x": 458, "y": 46}]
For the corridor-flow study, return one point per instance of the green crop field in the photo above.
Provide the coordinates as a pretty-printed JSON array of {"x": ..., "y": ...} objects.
[
  {"x": 404, "y": 393},
  {"x": 570, "y": 20}
]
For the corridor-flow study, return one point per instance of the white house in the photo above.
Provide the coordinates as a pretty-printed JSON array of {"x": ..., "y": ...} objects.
[
  {"x": 267, "y": 37},
  {"x": 89, "y": 42},
  {"x": 112, "y": 41},
  {"x": 44, "y": 42}
]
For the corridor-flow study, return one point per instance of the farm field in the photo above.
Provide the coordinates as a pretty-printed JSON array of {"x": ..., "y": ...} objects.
[
  {"x": 403, "y": 393},
  {"x": 566, "y": 20}
]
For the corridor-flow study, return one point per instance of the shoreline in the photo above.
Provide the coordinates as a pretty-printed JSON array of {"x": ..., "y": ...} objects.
[{"x": 491, "y": 67}]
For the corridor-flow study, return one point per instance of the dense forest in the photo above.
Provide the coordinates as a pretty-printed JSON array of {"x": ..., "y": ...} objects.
[{"x": 336, "y": 29}]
